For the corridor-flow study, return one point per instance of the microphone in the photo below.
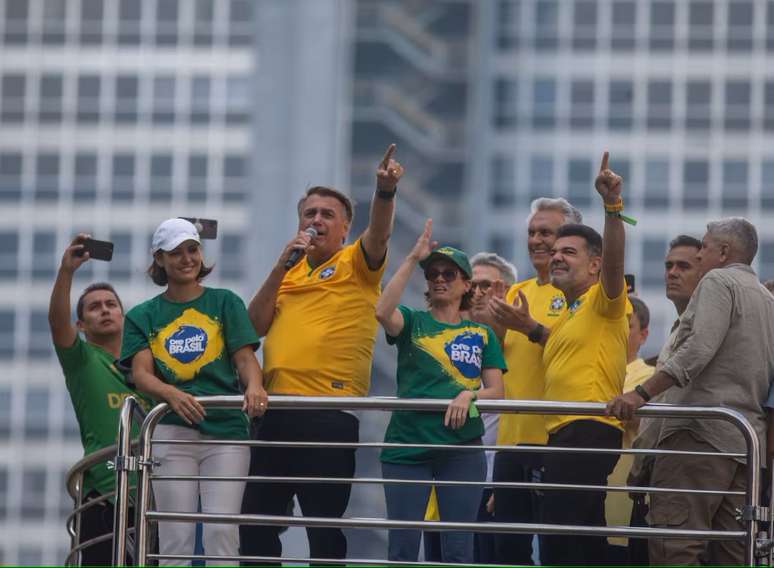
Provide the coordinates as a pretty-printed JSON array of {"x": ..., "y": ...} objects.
[{"x": 295, "y": 254}]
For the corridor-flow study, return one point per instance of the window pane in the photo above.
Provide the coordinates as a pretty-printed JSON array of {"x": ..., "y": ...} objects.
[
  {"x": 200, "y": 100},
  {"x": 54, "y": 22},
  {"x": 503, "y": 180},
  {"x": 624, "y": 25},
  {"x": 127, "y": 89},
  {"x": 89, "y": 88},
  {"x": 50, "y": 104},
  {"x": 92, "y": 12},
  {"x": 695, "y": 184},
  {"x": 659, "y": 104},
  {"x": 653, "y": 252},
  {"x": 47, "y": 177},
  {"x": 506, "y": 103},
  {"x": 546, "y": 25},
  {"x": 234, "y": 178},
  {"x": 34, "y": 491},
  {"x": 164, "y": 99},
  {"x": 166, "y": 22},
  {"x": 39, "y": 345},
  {"x": 657, "y": 188},
  {"x": 10, "y": 177},
  {"x": 231, "y": 257},
  {"x": 241, "y": 26},
  {"x": 768, "y": 105},
  {"x": 579, "y": 182},
  {"x": 620, "y": 108},
  {"x": 737, "y": 115},
  {"x": 582, "y": 105},
  {"x": 541, "y": 171},
  {"x": 543, "y": 103},
  {"x": 767, "y": 185},
  {"x": 735, "y": 184},
  {"x": 197, "y": 177},
  {"x": 16, "y": 22},
  {"x": 123, "y": 177},
  {"x": 508, "y": 23},
  {"x": 585, "y": 24},
  {"x": 203, "y": 26},
  {"x": 85, "y": 177},
  {"x": 698, "y": 107},
  {"x": 161, "y": 177},
  {"x": 12, "y": 95},
  {"x": 120, "y": 266},
  {"x": 7, "y": 323},
  {"x": 662, "y": 25},
  {"x": 700, "y": 31},
  {"x": 129, "y": 20},
  {"x": 36, "y": 413},
  {"x": 237, "y": 99},
  {"x": 740, "y": 25},
  {"x": 5, "y": 431},
  {"x": 43, "y": 255}
]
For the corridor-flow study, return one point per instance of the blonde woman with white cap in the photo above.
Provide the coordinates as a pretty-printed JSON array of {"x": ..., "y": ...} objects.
[{"x": 186, "y": 342}]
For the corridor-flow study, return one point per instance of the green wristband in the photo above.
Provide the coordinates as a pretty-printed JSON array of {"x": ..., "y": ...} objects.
[{"x": 472, "y": 410}]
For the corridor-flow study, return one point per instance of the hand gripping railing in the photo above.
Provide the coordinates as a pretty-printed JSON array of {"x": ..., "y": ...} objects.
[{"x": 751, "y": 515}]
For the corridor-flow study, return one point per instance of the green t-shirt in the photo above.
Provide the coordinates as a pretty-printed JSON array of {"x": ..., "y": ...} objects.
[
  {"x": 192, "y": 344},
  {"x": 437, "y": 360},
  {"x": 97, "y": 390}
]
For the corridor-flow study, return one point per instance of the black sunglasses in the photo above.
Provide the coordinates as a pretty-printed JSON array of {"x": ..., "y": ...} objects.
[{"x": 448, "y": 275}]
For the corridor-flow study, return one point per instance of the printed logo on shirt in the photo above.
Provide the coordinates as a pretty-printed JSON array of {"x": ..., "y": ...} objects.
[
  {"x": 465, "y": 351},
  {"x": 188, "y": 343},
  {"x": 327, "y": 272},
  {"x": 556, "y": 306}
]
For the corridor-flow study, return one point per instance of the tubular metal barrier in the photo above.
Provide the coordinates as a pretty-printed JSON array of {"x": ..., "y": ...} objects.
[
  {"x": 755, "y": 530},
  {"x": 130, "y": 411}
]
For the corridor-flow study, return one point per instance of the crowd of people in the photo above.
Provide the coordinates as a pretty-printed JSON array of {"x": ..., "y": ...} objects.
[{"x": 570, "y": 332}]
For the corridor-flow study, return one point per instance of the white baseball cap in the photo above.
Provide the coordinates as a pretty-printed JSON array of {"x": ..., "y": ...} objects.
[{"x": 171, "y": 233}]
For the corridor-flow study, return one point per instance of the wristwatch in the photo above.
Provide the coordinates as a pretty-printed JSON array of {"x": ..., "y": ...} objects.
[
  {"x": 640, "y": 390},
  {"x": 536, "y": 334}
]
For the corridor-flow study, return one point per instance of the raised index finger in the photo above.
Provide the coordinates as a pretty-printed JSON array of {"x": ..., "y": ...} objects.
[
  {"x": 387, "y": 155},
  {"x": 605, "y": 157}
]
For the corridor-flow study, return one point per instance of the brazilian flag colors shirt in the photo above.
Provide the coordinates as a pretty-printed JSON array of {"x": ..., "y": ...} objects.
[
  {"x": 192, "y": 344},
  {"x": 97, "y": 390},
  {"x": 437, "y": 360}
]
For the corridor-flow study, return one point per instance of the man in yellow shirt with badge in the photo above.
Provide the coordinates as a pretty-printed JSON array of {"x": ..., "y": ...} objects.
[
  {"x": 525, "y": 381},
  {"x": 316, "y": 311},
  {"x": 584, "y": 357}
]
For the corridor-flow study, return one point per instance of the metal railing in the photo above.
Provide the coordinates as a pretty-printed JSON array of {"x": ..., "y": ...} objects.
[
  {"x": 752, "y": 517},
  {"x": 131, "y": 411}
]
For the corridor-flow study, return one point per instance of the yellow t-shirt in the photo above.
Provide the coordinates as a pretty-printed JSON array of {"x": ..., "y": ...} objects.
[
  {"x": 322, "y": 336},
  {"x": 618, "y": 505},
  {"x": 525, "y": 378},
  {"x": 585, "y": 356}
]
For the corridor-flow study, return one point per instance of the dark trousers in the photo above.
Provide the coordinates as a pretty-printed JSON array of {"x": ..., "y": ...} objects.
[
  {"x": 515, "y": 505},
  {"x": 315, "y": 499},
  {"x": 97, "y": 520},
  {"x": 567, "y": 507}
]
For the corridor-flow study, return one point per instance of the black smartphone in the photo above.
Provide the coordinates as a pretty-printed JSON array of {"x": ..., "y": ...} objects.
[
  {"x": 207, "y": 228},
  {"x": 98, "y": 250},
  {"x": 630, "y": 289}
]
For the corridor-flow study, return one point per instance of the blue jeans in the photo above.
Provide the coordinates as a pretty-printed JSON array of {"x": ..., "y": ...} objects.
[{"x": 455, "y": 503}]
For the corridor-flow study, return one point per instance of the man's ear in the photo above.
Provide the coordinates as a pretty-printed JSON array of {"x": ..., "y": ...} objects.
[
  {"x": 595, "y": 265},
  {"x": 79, "y": 325},
  {"x": 644, "y": 333}
]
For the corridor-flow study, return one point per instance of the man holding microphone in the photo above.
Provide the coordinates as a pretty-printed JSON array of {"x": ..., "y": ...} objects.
[{"x": 316, "y": 311}]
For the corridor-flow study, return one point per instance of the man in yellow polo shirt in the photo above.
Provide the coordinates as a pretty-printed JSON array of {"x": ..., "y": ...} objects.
[
  {"x": 584, "y": 357},
  {"x": 317, "y": 316},
  {"x": 525, "y": 380}
]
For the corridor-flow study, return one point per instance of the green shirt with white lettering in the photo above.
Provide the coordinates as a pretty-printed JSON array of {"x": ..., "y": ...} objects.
[
  {"x": 97, "y": 390},
  {"x": 437, "y": 360},
  {"x": 192, "y": 345}
]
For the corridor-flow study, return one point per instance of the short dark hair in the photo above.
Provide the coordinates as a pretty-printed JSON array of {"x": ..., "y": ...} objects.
[
  {"x": 327, "y": 192},
  {"x": 92, "y": 288},
  {"x": 640, "y": 309},
  {"x": 592, "y": 238},
  {"x": 159, "y": 275},
  {"x": 685, "y": 241}
]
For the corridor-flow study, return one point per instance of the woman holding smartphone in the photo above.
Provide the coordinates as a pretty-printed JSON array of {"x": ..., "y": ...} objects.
[
  {"x": 186, "y": 342},
  {"x": 440, "y": 355}
]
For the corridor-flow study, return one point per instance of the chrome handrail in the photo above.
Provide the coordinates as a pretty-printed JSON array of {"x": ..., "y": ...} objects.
[{"x": 750, "y": 516}]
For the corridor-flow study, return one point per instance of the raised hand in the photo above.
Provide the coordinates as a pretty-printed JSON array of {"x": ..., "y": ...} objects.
[
  {"x": 424, "y": 245},
  {"x": 74, "y": 255},
  {"x": 608, "y": 183},
  {"x": 389, "y": 171},
  {"x": 513, "y": 316}
]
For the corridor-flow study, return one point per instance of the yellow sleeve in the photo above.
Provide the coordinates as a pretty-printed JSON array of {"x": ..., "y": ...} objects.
[
  {"x": 361, "y": 267},
  {"x": 611, "y": 308}
]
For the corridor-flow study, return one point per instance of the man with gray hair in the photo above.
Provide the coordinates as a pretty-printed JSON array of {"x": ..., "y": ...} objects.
[
  {"x": 525, "y": 380},
  {"x": 722, "y": 351}
]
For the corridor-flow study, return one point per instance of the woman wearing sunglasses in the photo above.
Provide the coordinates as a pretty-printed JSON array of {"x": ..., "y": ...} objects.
[
  {"x": 440, "y": 355},
  {"x": 186, "y": 342}
]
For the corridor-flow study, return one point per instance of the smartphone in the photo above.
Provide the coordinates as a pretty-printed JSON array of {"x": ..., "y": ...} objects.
[
  {"x": 98, "y": 250},
  {"x": 630, "y": 289},
  {"x": 208, "y": 228}
]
